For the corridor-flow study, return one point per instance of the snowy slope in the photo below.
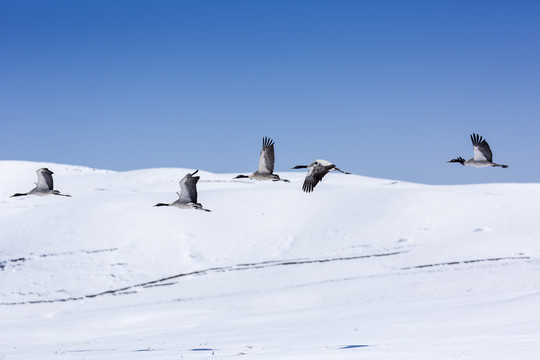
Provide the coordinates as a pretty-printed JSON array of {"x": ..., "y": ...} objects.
[{"x": 361, "y": 267}]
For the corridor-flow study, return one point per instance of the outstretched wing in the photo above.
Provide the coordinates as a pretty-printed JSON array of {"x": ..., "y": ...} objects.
[
  {"x": 266, "y": 159},
  {"x": 188, "y": 188},
  {"x": 45, "y": 180},
  {"x": 314, "y": 176},
  {"x": 481, "y": 149}
]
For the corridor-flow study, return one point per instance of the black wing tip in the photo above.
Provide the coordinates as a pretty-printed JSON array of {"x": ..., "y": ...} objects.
[
  {"x": 190, "y": 176},
  {"x": 267, "y": 142},
  {"x": 46, "y": 170},
  {"x": 307, "y": 189},
  {"x": 477, "y": 139},
  {"x": 309, "y": 186}
]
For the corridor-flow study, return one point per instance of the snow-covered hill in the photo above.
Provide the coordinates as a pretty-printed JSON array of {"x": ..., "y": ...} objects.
[{"x": 360, "y": 268}]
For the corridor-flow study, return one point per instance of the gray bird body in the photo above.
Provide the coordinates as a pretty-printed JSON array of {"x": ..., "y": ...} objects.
[
  {"x": 482, "y": 155},
  {"x": 265, "y": 170},
  {"x": 187, "y": 196},
  {"x": 44, "y": 186},
  {"x": 316, "y": 171}
]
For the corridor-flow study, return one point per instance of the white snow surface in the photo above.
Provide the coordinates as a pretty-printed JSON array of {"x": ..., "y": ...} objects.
[{"x": 361, "y": 268}]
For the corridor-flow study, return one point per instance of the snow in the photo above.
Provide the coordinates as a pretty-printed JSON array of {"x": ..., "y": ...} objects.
[{"x": 360, "y": 268}]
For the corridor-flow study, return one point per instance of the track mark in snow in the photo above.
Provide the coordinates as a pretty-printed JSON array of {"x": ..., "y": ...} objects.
[
  {"x": 32, "y": 257},
  {"x": 84, "y": 351},
  {"x": 156, "y": 285},
  {"x": 352, "y": 347},
  {"x": 79, "y": 252},
  {"x": 131, "y": 289},
  {"x": 3, "y": 263},
  {"x": 202, "y": 349},
  {"x": 466, "y": 262},
  {"x": 147, "y": 350}
]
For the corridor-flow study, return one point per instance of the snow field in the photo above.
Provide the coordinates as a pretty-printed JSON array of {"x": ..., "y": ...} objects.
[{"x": 361, "y": 267}]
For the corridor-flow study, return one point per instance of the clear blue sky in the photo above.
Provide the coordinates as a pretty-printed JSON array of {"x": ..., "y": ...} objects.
[{"x": 382, "y": 88}]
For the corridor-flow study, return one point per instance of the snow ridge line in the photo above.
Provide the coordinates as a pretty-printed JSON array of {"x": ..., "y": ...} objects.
[
  {"x": 467, "y": 262},
  {"x": 238, "y": 267}
]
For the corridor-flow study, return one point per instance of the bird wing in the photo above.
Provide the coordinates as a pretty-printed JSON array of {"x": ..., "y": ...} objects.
[
  {"x": 188, "y": 188},
  {"x": 45, "y": 180},
  {"x": 266, "y": 159},
  {"x": 324, "y": 162},
  {"x": 481, "y": 148},
  {"x": 314, "y": 176}
]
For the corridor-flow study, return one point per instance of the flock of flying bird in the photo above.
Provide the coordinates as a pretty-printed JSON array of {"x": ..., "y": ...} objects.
[{"x": 482, "y": 157}]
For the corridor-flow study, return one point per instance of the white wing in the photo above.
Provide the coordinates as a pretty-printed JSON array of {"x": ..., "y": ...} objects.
[
  {"x": 481, "y": 149},
  {"x": 45, "y": 180},
  {"x": 266, "y": 158},
  {"x": 188, "y": 188}
]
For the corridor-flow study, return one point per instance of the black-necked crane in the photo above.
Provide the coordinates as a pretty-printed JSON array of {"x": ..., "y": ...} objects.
[
  {"x": 316, "y": 172},
  {"x": 482, "y": 157},
  {"x": 266, "y": 164},
  {"x": 187, "y": 196},
  {"x": 44, "y": 186}
]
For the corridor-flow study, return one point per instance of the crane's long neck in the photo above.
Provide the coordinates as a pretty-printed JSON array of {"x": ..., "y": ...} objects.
[
  {"x": 19, "y": 194},
  {"x": 161, "y": 204}
]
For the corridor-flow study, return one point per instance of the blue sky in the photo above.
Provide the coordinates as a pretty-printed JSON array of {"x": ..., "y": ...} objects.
[{"x": 388, "y": 89}]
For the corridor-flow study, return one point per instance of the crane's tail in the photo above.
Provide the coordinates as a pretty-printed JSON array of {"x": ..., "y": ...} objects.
[
  {"x": 275, "y": 177},
  {"x": 199, "y": 207},
  {"x": 56, "y": 192}
]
